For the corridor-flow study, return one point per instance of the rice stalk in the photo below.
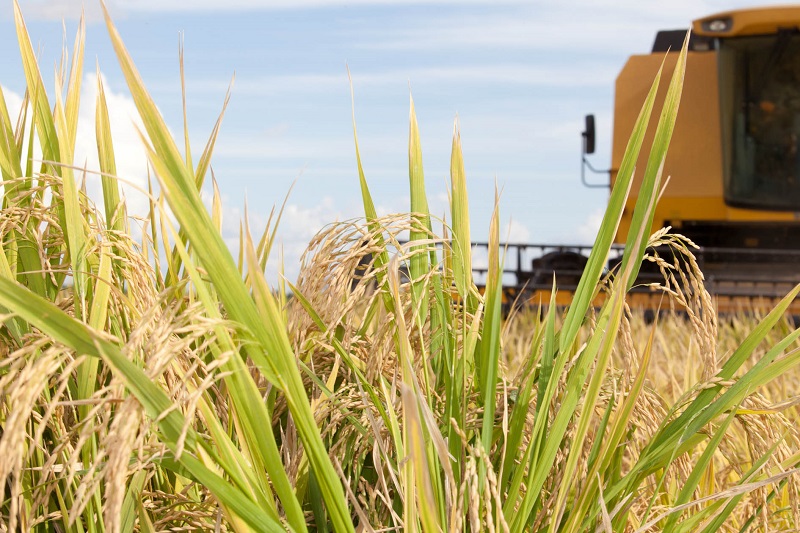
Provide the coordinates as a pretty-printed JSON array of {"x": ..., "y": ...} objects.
[{"x": 164, "y": 385}]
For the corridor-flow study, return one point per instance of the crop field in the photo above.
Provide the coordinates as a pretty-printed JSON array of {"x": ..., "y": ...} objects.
[{"x": 153, "y": 381}]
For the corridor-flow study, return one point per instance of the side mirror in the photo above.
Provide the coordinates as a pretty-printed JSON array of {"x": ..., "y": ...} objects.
[
  {"x": 588, "y": 135},
  {"x": 588, "y": 148}
]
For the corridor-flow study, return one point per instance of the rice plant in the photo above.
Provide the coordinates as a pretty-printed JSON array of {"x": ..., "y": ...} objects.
[{"x": 162, "y": 384}]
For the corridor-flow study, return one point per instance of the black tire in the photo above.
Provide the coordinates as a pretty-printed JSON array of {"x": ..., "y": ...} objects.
[{"x": 567, "y": 267}]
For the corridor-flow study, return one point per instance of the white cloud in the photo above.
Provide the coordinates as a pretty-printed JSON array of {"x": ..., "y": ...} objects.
[
  {"x": 556, "y": 75},
  {"x": 583, "y": 26},
  {"x": 13, "y": 102},
  {"x": 397, "y": 205},
  {"x": 130, "y": 157},
  {"x": 298, "y": 226},
  {"x": 264, "y": 147},
  {"x": 603, "y": 10},
  {"x": 561, "y": 75},
  {"x": 299, "y": 222},
  {"x": 546, "y": 31},
  {"x": 215, "y": 5},
  {"x": 586, "y": 232},
  {"x": 71, "y": 9},
  {"x": 56, "y": 10},
  {"x": 515, "y": 232}
]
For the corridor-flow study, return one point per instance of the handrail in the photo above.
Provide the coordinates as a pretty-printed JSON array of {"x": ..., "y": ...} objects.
[
  {"x": 522, "y": 276},
  {"x": 750, "y": 283}
]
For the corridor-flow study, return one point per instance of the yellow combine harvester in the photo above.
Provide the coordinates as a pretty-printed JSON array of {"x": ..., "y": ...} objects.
[{"x": 733, "y": 163}]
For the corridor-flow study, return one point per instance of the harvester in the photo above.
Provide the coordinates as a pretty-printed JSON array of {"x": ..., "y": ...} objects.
[{"x": 733, "y": 163}]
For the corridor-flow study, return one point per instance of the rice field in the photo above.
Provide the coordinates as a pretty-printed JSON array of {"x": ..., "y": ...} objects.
[{"x": 159, "y": 383}]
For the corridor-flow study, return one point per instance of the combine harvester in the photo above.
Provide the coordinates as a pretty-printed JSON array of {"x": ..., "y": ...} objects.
[{"x": 734, "y": 163}]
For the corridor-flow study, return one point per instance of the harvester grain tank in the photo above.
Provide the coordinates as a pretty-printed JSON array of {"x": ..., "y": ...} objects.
[{"x": 734, "y": 159}]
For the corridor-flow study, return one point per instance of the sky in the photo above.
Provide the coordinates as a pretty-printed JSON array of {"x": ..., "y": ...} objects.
[{"x": 519, "y": 75}]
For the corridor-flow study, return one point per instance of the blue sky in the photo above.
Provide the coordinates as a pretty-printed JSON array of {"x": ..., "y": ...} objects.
[{"x": 520, "y": 76}]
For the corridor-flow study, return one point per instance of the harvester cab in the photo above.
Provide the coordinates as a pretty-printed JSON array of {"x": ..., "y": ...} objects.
[{"x": 734, "y": 159}]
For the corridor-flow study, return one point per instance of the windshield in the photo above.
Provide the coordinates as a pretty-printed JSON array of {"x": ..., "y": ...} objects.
[{"x": 760, "y": 104}]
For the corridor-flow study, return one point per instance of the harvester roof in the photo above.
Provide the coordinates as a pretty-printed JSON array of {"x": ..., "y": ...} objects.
[{"x": 742, "y": 22}]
